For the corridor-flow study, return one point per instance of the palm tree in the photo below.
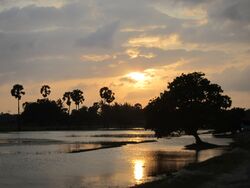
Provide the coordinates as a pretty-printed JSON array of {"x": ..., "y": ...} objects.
[
  {"x": 138, "y": 106},
  {"x": 77, "y": 97},
  {"x": 45, "y": 91},
  {"x": 107, "y": 95},
  {"x": 67, "y": 98},
  {"x": 17, "y": 92}
]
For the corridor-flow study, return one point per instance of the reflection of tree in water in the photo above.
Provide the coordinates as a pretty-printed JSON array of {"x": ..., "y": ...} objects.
[
  {"x": 167, "y": 162},
  {"x": 161, "y": 162}
]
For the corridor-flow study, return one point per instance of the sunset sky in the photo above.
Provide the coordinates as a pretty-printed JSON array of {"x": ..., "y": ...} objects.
[{"x": 135, "y": 47}]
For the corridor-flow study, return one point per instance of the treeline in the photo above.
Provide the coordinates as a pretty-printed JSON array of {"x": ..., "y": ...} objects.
[
  {"x": 47, "y": 114},
  {"x": 190, "y": 103}
]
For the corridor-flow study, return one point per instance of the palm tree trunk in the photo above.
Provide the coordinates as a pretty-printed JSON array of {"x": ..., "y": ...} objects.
[
  {"x": 18, "y": 116},
  {"x": 69, "y": 109},
  {"x": 18, "y": 107}
]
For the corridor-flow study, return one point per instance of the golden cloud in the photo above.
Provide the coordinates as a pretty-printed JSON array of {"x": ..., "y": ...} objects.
[
  {"x": 163, "y": 42},
  {"x": 96, "y": 58},
  {"x": 172, "y": 41},
  {"x": 143, "y": 29},
  {"x": 135, "y": 53}
]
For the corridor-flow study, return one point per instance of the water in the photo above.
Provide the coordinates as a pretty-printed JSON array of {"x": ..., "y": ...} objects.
[{"x": 76, "y": 158}]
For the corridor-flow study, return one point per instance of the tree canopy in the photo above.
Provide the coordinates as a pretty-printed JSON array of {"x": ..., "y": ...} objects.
[
  {"x": 43, "y": 112},
  {"x": 17, "y": 92},
  {"x": 190, "y": 102},
  {"x": 45, "y": 91},
  {"x": 77, "y": 97},
  {"x": 107, "y": 95},
  {"x": 67, "y": 98}
]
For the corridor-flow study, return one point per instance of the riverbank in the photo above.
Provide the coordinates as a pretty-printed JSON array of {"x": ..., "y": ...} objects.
[{"x": 231, "y": 169}]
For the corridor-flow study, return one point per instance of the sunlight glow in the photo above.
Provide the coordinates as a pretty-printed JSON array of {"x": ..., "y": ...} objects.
[
  {"x": 137, "y": 76},
  {"x": 138, "y": 170},
  {"x": 163, "y": 42}
]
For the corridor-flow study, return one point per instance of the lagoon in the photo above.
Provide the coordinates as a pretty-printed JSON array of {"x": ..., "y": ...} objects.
[{"x": 104, "y": 158}]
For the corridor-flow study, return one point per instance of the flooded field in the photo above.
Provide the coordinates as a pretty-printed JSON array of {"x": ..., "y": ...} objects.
[{"x": 115, "y": 158}]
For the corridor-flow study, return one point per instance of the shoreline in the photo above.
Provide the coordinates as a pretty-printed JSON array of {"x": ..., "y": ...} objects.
[{"x": 231, "y": 169}]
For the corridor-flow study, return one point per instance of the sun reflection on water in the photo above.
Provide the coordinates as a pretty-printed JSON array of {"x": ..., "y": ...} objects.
[{"x": 138, "y": 170}]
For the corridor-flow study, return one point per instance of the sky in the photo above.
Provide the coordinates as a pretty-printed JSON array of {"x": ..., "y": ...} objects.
[{"x": 134, "y": 47}]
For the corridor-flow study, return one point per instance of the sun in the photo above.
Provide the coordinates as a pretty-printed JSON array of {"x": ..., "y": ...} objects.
[{"x": 137, "y": 76}]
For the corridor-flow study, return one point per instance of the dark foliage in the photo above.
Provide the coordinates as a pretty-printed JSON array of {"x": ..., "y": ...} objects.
[
  {"x": 122, "y": 115},
  {"x": 45, "y": 91},
  {"x": 8, "y": 122},
  {"x": 17, "y": 92},
  {"x": 86, "y": 117},
  {"x": 67, "y": 98},
  {"x": 230, "y": 120},
  {"x": 77, "y": 96},
  {"x": 107, "y": 95},
  {"x": 43, "y": 112},
  {"x": 190, "y": 103}
]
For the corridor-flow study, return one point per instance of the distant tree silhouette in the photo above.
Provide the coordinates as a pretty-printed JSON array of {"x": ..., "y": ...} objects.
[
  {"x": 107, "y": 95},
  {"x": 43, "y": 113},
  {"x": 94, "y": 113},
  {"x": 77, "y": 97},
  {"x": 190, "y": 103},
  {"x": 122, "y": 115},
  {"x": 94, "y": 108},
  {"x": 17, "y": 92},
  {"x": 45, "y": 91},
  {"x": 230, "y": 120},
  {"x": 59, "y": 103},
  {"x": 138, "y": 106},
  {"x": 67, "y": 98}
]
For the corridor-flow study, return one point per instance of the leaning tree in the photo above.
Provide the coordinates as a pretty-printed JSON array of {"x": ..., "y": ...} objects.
[
  {"x": 191, "y": 102},
  {"x": 45, "y": 91},
  {"x": 17, "y": 92}
]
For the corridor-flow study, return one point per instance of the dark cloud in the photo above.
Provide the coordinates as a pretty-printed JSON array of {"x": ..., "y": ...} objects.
[
  {"x": 102, "y": 38},
  {"x": 234, "y": 79},
  {"x": 35, "y": 18},
  {"x": 236, "y": 11}
]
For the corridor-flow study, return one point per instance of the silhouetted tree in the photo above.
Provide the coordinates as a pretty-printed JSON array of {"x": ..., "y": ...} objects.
[
  {"x": 122, "y": 115},
  {"x": 67, "y": 98},
  {"x": 45, "y": 91},
  {"x": 77, "y": 97},
  {"x": 190, "y": 103},
  {"x": 17, "y": 92},
  {"x": 138, "y": 106},
  {"x": 230, "y": 120},
  {"x": 44, "y": 113},
  {"x": 107, "y": 95},
  {"x": 94, "y": 113},
  {"x": 94, "y": 108}
]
